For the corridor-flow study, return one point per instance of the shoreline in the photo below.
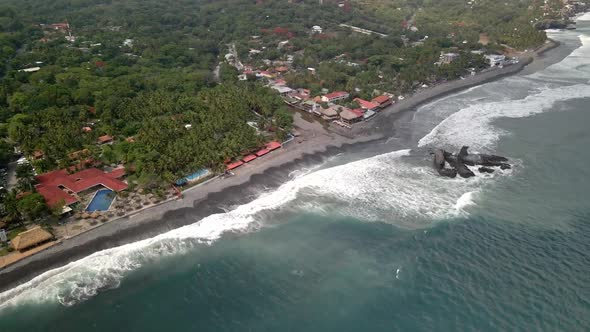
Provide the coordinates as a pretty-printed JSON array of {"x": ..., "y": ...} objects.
[{"x": 201, "y": 201}]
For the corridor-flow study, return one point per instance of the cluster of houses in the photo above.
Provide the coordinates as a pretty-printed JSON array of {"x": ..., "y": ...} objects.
[
  {"x": 493, "y": 60},
  {"x": 328, "y": 106}
]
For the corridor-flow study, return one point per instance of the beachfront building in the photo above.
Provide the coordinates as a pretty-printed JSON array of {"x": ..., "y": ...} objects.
[
  {"x": 268, "y": 147},
  {"x": 30, "y": 239},
  {"x": 335, "y": 96},
  {"x": 367, "y": 105},
  {"x": 300, "y": 94},
  {"x": 349, "y": 116},
  {"x": 330, "y": 113},
  {"x": 60, "y": 186},
  {"x": 383, "y": 101},
  {"x": 495, "y": 60},
  {"x": 309, "y": 106}
]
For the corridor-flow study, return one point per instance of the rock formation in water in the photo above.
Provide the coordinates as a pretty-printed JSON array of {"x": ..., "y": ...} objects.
[
  {"x": 484, "y": 169},
  {"x": 439, "y": 164},
  {"x": 463, "y": 159}
]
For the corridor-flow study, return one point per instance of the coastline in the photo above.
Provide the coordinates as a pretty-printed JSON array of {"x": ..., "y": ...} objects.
[{"x": 249, "y": 181}]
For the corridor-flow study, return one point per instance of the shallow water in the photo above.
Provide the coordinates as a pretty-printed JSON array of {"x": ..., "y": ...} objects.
[{"x": 373, "y": 240}]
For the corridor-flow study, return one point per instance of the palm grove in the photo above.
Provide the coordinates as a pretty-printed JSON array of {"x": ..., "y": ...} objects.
[{"x": 142, "y": 71}]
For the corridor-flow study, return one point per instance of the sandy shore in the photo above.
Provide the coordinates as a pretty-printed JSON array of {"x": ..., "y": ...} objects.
[
  {"x": 197, "y": 202},
  {"x": 249, "y": 180}
]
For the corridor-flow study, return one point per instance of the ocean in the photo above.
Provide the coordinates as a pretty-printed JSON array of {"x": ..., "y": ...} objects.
[{"x": 371, "y": 239}]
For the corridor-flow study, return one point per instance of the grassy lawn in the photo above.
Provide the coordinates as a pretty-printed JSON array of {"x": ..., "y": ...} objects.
[
  {"x": 4, "y": 251},
  {"x": 14, "y": 232}
]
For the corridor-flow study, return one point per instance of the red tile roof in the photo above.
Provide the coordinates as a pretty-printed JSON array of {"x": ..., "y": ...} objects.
[
  {"x": 366, "y": 104},
  {"x": 358, "y": 111},
  {"x": 381, "y": 99},
  {"x": 249, "y": 158},
  {"x": 262, "y": 152},
  {"x": 50, "y": 183},
  {"x": 86, "y": 129},
  {"x": 273, "y": 145},
  {"x": 105, "y": 139},
  {"x": 336, "y": 94},
  {"x": 234, "y": 165}
]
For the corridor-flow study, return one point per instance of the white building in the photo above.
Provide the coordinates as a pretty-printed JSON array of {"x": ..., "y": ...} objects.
[
  {"x": 316, "y": 29},
  {"x": 495, "y": 60},
  {"x": 30, "y": 70}
]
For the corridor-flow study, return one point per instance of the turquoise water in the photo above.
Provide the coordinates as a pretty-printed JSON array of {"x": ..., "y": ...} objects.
[
  {"x": 372, "y": 239},
  {"x": 193, "y": 177},
  {"x": 101, "y": 201}
]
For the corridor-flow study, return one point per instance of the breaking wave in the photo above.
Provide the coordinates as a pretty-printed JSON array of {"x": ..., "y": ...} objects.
[
  {"x": 398, "y": 187},
  {"x": 473, "y": 126}
]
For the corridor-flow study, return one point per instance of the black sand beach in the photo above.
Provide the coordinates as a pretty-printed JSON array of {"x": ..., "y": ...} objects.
[{"x": 245, "y": 186}]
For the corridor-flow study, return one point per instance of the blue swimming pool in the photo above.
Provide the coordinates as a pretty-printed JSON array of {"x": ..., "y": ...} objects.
[{"x": 101, "y": 201}]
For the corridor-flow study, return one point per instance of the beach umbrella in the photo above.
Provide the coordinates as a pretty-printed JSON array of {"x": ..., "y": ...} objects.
[{"x": 94, "y": 215}]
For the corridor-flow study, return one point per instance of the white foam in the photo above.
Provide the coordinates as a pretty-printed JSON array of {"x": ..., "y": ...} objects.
[
  {"x": 472, "y": 125},
  {"x": 583, "y": 17},
  {"x": 467, "y": 199},
  {"x": 82, "y": 279}
]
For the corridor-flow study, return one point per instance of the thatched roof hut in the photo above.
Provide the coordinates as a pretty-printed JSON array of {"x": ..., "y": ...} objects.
[{"x": 31, "y": 238}]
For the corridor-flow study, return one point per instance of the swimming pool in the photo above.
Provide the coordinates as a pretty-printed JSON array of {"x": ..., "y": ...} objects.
[{"x": 101, "y": 201}]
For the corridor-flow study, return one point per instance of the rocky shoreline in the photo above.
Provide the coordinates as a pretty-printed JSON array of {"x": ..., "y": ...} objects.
[{"x": 458, "y": 163}]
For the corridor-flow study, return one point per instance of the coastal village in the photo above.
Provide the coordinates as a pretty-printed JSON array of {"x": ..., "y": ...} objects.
[{"x": 90, "y": 193}]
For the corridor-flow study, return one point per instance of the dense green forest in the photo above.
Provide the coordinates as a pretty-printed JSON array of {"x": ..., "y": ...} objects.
[{"x": 144, "y": 69}]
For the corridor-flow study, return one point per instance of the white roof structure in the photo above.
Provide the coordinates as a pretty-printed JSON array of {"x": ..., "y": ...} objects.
[
  {"x": 30, "y": 70},
  {"x": 282, "y": 89}
]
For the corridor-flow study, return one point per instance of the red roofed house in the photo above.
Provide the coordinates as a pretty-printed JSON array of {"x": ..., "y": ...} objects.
[
  {"x": 382, "y": 101},
  {"x": 86, "y": 129},
  {"x": 282, "y": 69},
  {"x": 265, "y": 74},
  {"x": 59, "y": 185},
  {"x": 60, "y": 26},
  {"x": 334, "y": 96},
  {"x": 105, "y": 139},
  {"x": 367, "y": 105}
]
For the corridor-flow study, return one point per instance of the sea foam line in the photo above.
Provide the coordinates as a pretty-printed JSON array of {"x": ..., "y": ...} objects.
[
  {"x": 84, "y": 278},
  {"x": 472, "y": 125}
]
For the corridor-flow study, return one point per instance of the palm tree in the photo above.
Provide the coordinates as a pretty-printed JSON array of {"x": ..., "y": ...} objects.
[{"x": 26, "y": 177}]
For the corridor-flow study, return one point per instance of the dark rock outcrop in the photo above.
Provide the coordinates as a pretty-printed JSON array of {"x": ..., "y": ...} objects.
[
  {"x": 448, "y": 172},
  {"x": 484, "y": 169},
  {"x": 451, "y": 159},
  {"x": 439, "y": 159},
  {"x": 464, "y": 172},
  {"x": 460, "y": 161},
  {"x": 439, "y": 164}
]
